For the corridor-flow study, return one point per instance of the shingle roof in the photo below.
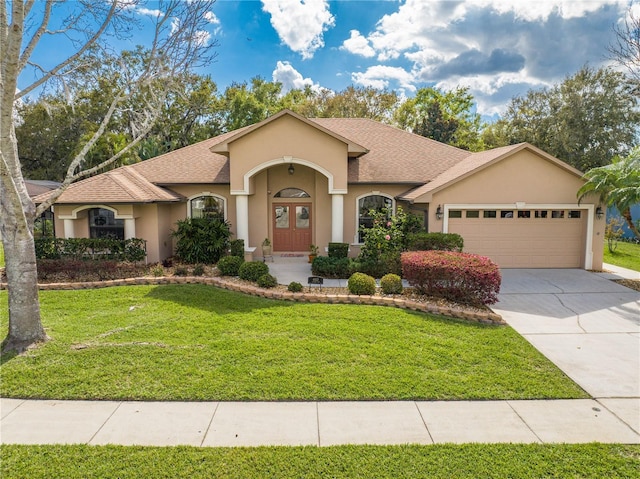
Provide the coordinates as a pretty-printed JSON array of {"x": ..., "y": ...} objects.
[
  {"x": 381, "y": 154},
  {"x": 122, "y": 185},
  {"x": 395, "y": 156}
]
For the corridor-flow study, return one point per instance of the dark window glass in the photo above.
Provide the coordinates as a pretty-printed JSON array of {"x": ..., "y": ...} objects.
[
  {"x": 207, "y": 207},
  {"x": 291, "y": 193},
  {"x": 574, "y": 213},
  {"x": 524, "y": 214},
  {"x": 473, "y": 214},
  {"x": 490, "y": 214},
  {"x": 557, "y": 214},
  {"x": 506, "y": 214},
  {"x": 541, "y": 213},
  {"x": 455, "y": 213},
  {"x": 377, "y": 203},
  {"x": 103, "y": 224}
]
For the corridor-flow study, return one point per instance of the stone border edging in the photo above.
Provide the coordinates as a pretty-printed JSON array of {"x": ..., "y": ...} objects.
[{"x": 310, "y": 297}]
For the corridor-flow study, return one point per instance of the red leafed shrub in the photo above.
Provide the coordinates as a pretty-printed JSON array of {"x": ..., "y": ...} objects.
[{"x": 460, "y": 277}]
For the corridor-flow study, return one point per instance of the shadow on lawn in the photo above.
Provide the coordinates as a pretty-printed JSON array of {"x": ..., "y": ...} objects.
[{"x": 213, "y": 299}]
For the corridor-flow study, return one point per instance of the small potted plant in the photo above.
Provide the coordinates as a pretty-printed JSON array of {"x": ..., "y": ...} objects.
[
  {"x": 313, "y": 252},
  {"x": 266, "y": 247}
]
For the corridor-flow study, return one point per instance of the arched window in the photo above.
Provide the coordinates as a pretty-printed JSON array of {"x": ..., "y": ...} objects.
[
  {"x": 207, "y": 206},
  {"x": 291, "y": 193},
  {"x": 376, "y": 202},
  {"x": 103, "y": 224}
]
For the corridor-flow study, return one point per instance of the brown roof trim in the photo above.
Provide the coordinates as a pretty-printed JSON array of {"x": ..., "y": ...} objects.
[{"x": 354, "y": 149}]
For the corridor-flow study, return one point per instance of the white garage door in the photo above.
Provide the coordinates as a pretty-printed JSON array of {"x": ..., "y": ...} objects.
[{"x": 523, "y": 238}]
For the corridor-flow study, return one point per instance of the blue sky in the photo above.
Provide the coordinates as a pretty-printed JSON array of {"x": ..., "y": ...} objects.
[{"x": 497, "y": 48}]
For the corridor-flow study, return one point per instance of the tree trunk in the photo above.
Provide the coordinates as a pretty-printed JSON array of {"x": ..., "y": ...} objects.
[
  {"x": 626, "y": 214},
  {"x": 25, "y": 327}
]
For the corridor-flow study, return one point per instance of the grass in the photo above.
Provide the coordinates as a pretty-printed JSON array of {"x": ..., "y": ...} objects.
[
  {"x": 195, "y": 342},
  {"x": 626, "y": 255},
  {"x": 1, "y": 255},
  {"x": 397, "y": 462}
]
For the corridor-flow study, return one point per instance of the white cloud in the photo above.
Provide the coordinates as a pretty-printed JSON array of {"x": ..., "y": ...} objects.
[
  {"x": 202, "y": 37},
  {"x": 379, "y": 76},
  {"x": 358, "y": 45},
  {"x": 211, "y": 18},
  {"x": 300, "y": 24},
  {"x": 150, "y": 12},
  {"x": 291, "y": 79}
]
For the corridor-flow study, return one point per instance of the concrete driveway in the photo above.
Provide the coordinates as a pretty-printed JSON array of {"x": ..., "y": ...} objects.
[{"x": 586, "y": 324}]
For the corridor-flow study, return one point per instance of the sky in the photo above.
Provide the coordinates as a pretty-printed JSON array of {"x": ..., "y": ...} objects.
[{"x": 496, "y": 48}]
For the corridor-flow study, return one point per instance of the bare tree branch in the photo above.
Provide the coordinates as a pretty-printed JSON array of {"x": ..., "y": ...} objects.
[
  {"x": 625, "y": 49},
  {"x": 28, "y": 51}
]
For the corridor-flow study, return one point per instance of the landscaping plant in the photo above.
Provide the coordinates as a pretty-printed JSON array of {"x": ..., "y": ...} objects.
[
  {"x": 391, "y": 284},
  {"x": 460, "y": 277},
  {"x": 230, "y": 265},
  {"x": 201, "y": 240},
  {"x": 252, "y": 270},
  {"x": 361, "y": 284},
  {"x": 267, "y": 281}
]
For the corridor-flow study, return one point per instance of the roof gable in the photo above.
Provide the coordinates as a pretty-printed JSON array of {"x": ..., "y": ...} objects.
[
  {"x": 476, "y": 162},
  {"x": 222, "y": 147}
]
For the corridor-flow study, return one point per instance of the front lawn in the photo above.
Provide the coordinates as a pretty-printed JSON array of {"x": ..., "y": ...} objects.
[
  {"x": 395, "y": 462},
  {"x": 196, "y": 342},
  {"x": 1, "y": 255},
  {"x": 626, "y": 255}
]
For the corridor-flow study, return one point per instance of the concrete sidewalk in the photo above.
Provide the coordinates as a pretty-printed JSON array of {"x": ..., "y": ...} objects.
[{"x": 318, "y": 423}]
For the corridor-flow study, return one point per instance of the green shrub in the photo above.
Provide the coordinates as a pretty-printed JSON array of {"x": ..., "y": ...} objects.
[
  {"x": 131, "y": 250},
  {"x": 252, "y": 270},
  {"x": 360, "y": 283},
  {"x": 201, "y": 240},
  {"x": 329, "y": 267},
  {"x": 338, "y": 250},
  {"x": 267, "y": 281},
  {"x": 237, "y": 248},
  {"x": 198, "y": 270},
  {"x": 230, "y": 265},
  {"x": 391, "y": 284},
  {"x": 294, "y": 287},
  {"x": 435, "y": 241}
]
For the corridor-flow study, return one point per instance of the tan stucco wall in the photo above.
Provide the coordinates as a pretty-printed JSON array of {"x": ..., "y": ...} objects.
[
  {"x": 287, "y": 137},
  {"x": 524, "y": 177}
]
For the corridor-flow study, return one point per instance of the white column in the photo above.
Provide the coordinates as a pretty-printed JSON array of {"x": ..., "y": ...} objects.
[
  {"x": 242, "y": 219},
  {"x": 69, "y": 229},
  {"x": 337, "y": 218},
  {"x": 129, "y": 228}
]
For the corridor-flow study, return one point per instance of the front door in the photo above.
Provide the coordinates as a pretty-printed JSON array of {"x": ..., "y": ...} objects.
[{"x": 291, "y": 226}]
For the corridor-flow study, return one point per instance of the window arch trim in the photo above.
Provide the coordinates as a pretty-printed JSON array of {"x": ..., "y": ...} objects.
[{"x": 207, "y": 193}]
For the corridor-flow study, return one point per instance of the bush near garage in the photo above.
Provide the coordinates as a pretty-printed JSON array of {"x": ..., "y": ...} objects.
[
  {"x": 360, "y": 283},
  {"x": 252, "y": 270},
  {"x": 435, "y": 241},
  {"x": 460, "y": 277}
]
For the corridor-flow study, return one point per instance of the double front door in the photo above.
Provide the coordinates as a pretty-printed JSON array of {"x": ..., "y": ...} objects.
[{"x": 291, "y": 226}]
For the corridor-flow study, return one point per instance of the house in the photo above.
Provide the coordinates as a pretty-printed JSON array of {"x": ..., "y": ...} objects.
[{"x": 299, "y": 181}]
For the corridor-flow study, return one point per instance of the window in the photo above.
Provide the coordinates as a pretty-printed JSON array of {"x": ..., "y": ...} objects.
[
  {"x": 557, "y": 214},
  {"x": 103, "y": 224},
  {"x": 473, "y": 214},
  {"x": 541, "y": 213},
  {"x": 506, "y": 214},
  {"x": 574, "y": 214},
  {"x": 377, "y": 203},
  {"x": 291, "y": 193},
  {"x": 524, "y": 214},
  {"x": 207, "y": 206},
  {"x": 455, "y": 213},
  {"x": 489, "y": 214}
]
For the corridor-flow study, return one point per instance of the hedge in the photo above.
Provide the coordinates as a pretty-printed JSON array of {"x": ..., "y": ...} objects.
[
  {"x": 133, "y": 249},
  {"x": 435, "y": 241},
  {"x": 330, "y": 267},
  {"x": 459, "y": 277},
  {"x": 338, "y": 250}
]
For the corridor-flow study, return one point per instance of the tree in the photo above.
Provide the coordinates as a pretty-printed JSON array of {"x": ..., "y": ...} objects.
[
  {"x": 442, "y": 114},
  {"x": 625, "y": 49},
  {"x": 585, "y": 121},
  {"x": 617, "y": 184},
  {"x": 178, "y": 43}
]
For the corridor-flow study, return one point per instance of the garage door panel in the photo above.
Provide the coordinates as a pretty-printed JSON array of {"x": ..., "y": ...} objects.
[{"x": 525, "y": 242}]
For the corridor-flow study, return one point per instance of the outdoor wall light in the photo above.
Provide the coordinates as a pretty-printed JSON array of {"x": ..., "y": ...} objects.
[
  {"x": 291, "y": 169},
  {"x": 599, "y": 212},
  {"x": 439, "y": 212}
]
